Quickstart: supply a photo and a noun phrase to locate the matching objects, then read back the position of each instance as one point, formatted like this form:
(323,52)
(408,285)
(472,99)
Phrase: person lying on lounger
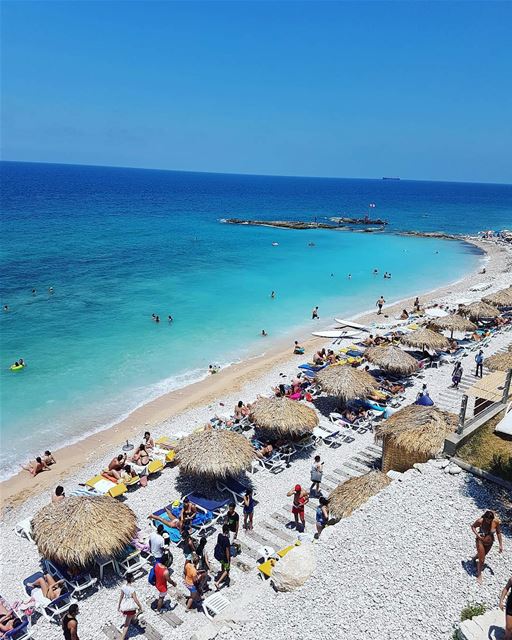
(265,451)
(170,521)
(50,588)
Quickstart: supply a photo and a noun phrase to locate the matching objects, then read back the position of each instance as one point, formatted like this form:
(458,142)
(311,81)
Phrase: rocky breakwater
(283,224)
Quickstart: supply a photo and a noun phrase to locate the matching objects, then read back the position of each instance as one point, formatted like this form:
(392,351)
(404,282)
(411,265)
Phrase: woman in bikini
(50,588)
(485,529)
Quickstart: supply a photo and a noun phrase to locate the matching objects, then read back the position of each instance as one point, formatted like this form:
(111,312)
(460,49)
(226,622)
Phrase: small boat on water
(390,178)
(275,244)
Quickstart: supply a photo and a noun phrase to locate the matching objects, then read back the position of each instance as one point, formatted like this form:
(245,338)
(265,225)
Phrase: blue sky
(416,89)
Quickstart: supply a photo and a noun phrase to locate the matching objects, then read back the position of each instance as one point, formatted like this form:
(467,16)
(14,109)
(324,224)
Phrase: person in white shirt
(156,543)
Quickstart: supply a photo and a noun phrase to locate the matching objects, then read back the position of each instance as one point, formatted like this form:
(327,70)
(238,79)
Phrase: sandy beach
(211,391)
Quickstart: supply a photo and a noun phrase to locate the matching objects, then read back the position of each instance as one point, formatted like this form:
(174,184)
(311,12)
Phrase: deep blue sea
(118,245)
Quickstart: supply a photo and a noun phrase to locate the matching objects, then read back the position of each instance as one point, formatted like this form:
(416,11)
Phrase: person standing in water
(273,295)
(169,318)
(380,303)
(314,314)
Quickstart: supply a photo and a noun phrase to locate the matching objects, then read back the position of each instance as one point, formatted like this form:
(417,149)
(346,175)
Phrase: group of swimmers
(156,318)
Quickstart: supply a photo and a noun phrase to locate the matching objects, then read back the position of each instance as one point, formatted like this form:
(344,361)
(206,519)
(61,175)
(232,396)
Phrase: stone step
(350,465)
(277,532)
(363,462)
(370,455)
(261,540)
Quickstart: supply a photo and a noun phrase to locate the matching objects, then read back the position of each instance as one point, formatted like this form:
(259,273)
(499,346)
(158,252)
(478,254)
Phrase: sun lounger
(213,509)
(174,533)
(326,436)
(307,442)
(155,466)
(215,604)
(265,568)
(52,610)
(100,485)
(23,630)
(130,562)
(76,584)
(234,487)
(274,463)
(23,529)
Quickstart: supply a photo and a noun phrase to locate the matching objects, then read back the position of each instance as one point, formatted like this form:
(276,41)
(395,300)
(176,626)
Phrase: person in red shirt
(162,579)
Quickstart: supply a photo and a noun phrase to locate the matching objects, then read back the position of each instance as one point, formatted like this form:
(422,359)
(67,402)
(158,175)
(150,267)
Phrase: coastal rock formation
(365,220)
(284,224)
(292,571)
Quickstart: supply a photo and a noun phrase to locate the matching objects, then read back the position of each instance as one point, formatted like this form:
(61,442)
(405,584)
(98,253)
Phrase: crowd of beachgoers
(403,562)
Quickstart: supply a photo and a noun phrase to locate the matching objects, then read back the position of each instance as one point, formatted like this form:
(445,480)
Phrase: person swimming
(273,294)
(264,333)
(170,318)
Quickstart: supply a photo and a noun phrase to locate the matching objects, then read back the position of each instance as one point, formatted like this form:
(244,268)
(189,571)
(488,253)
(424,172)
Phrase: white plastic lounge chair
(132,563)
(329,437)
(234,487)
(76,584)
(52,610)
(275,463)
(215,604)
(23,529)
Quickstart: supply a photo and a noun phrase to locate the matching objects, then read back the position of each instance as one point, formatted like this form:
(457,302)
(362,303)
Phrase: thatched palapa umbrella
(479,310)
(214,453)
(453,322)
(426,339)
(392,359)
(499,362)
(76,531)
(284,416)
(502,298)
(346,383)
(413,434)
(350,495)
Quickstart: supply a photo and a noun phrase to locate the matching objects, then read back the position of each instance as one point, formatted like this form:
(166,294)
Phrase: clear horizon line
(258,175)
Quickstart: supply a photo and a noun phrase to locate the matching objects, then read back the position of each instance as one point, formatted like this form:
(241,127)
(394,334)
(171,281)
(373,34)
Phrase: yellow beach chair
(265,568)
(155,466)
(102,485)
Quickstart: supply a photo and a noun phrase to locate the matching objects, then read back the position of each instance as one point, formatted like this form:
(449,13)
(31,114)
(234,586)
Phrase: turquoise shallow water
(118,245)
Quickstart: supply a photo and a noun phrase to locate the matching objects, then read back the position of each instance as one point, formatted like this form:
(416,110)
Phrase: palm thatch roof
(214,453)
(345,382)
(350,495)
(417,430)
(478,310)
(78,530)
(426,339)
(502,298)
(284,416)
(499,362)
(453,322)
(392,358)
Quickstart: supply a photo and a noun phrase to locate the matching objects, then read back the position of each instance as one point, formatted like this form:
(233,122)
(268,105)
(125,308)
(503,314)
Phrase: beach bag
(218,554)
(316,475)
(152,576)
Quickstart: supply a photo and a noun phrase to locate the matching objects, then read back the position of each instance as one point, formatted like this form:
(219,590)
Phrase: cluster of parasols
(77,531)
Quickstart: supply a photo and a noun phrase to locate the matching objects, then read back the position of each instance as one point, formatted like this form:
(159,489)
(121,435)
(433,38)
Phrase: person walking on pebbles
(485,529)
(317,469)
(300,499)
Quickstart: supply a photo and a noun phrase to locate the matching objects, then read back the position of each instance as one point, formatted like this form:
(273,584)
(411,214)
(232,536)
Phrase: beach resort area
(352,486)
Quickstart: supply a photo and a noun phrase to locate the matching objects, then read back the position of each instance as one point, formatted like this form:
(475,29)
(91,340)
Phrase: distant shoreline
(208,391)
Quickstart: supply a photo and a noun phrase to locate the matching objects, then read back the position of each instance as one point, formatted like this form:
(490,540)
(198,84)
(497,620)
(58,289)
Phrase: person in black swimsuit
(506,605)
(485,529)
(69,623)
